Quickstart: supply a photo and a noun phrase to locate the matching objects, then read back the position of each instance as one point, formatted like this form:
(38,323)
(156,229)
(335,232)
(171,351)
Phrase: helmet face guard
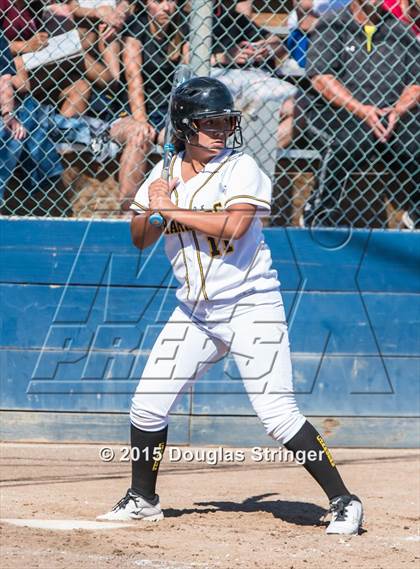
(204,98)
(232,137)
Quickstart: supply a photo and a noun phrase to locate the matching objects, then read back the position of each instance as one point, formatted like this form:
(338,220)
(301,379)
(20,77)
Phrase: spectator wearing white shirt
(318,9)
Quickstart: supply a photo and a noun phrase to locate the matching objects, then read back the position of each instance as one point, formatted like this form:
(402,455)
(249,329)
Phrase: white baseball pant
(253,330)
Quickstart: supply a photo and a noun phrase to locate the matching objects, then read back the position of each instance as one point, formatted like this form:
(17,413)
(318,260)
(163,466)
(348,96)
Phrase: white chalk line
(65,525)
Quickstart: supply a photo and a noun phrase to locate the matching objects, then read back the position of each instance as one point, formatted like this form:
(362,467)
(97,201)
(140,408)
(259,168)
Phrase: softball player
(229,299)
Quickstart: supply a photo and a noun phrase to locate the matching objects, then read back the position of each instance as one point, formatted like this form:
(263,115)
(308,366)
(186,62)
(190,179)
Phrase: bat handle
(156,218)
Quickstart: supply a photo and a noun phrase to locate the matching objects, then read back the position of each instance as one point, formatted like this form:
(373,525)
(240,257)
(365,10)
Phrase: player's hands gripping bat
(182,74)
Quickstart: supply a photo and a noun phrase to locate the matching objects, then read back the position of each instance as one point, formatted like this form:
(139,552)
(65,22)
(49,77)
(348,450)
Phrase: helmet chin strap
(197,145)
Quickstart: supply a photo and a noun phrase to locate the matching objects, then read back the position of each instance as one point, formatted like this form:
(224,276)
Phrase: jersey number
(215,247)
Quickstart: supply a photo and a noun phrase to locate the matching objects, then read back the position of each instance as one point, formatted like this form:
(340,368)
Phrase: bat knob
(156,219)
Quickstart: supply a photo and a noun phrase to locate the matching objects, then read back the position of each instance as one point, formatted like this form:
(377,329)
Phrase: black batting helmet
(202,98)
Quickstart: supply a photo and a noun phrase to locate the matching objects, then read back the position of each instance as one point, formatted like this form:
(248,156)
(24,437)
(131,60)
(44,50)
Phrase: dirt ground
(235,515)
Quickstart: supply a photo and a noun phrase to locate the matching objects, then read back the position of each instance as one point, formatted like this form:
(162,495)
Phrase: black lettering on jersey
(228,247)
(176,227)
(219,248)
(217,206)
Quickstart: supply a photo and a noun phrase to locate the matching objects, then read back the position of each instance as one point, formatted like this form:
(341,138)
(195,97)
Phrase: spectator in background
(112,17)
(154,42)
(244,59)
(23,26)
(7,95)
(301,21)
(363,64)
(98,28)
(316,8)
(408,11)
(25,140)
(245,7)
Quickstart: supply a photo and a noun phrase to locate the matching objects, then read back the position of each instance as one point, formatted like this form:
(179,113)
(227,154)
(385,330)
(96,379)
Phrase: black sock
(145,460)
(322,469)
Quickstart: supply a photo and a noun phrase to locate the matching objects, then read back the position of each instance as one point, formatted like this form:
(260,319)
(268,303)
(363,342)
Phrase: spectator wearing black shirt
(363,64)
(243,58)
(154,42)
(156,39)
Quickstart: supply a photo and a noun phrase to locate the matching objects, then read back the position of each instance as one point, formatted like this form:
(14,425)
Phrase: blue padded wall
(81,308)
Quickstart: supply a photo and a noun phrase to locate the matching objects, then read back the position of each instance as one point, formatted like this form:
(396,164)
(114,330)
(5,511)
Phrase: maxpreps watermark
(211,456)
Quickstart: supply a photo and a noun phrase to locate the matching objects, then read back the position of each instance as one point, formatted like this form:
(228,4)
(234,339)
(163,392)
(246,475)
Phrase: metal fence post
(200,36)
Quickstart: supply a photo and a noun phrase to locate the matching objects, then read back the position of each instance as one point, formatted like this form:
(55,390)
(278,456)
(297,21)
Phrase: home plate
(65,524)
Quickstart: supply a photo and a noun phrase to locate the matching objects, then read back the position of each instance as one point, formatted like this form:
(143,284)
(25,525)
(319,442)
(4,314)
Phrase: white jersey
(208,268)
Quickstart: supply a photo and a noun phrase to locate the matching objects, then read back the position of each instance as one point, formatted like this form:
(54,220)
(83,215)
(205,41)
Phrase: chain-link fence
(329,92)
